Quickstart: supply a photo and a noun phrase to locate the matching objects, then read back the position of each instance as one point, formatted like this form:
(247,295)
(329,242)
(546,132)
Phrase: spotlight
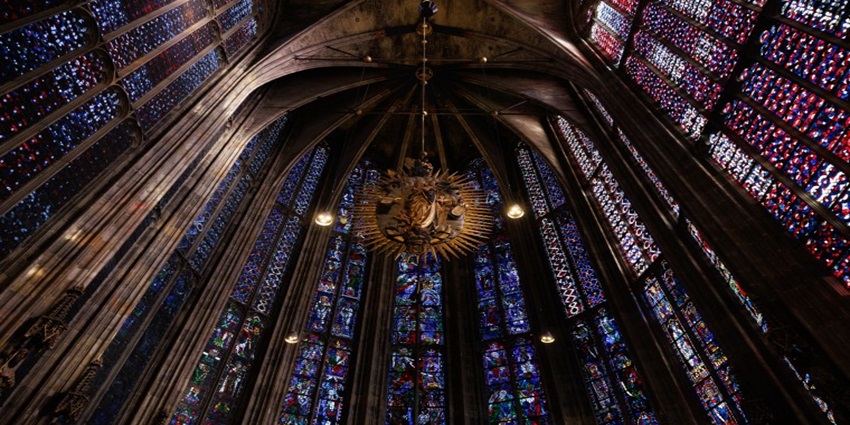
(292,337)
(547,337)
(515,211)
(324,219)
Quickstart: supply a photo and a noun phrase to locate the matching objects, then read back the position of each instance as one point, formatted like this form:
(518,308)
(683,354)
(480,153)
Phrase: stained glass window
(29,47)
(513,383)
(717,390)
(613,385)
(215,215)
(19,109)
(33,156)
(417,382)
(318,382)
(241,38)
(155,109)
(12,11)
(514,390)
(236,13)
(695,346)
(158,68)
(114,14)
(31,212)
(232,346)
(142,40)
(785,130)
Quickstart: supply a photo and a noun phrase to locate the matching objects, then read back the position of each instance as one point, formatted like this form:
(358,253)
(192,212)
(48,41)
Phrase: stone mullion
(102,326)
(368,375)
(655,366)
(167,385)
(566,396)
(209,183)
(272,380)
(292,308)
(109,220)
(466,401)
(124,204)
(748,361)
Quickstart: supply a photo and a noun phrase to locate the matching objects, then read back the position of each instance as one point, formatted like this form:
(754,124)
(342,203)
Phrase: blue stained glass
(133,322)
(290,185)
(220,375)
(345,212)
(256,259)
(34,45)
(30,103)
(717,56)
(610,45)
(355,271)
(623,369)
(599,107)
(266,140)
(582,268)
(634,241)
(417,382)
(123,385)
(140,41)
(733,283)
(213,233)
(311,180)
(513,382)
(298,401)
(114,14)
(232,16)
(830,16)
(674,206)
(209,209)
(154,109)
(278,266)
(583,149)
(560,268)
(658,296)
(614,20)
(689,118)
(554,193)
(532,183)
(158,68)
(596,377)
(26,161)
(232,382)
(220,342)
(12,11)
(29,214)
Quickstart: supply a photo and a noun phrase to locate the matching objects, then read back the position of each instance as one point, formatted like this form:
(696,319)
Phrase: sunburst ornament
(415,211)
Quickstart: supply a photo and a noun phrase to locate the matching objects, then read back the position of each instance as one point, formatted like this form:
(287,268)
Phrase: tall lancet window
(214,391)
(511,369)
(317,386)
(417,381)
(613,385)
(171,286)
(690,338)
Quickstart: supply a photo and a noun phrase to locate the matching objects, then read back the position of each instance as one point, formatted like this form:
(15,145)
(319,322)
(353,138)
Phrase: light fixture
(416,210)
(292,337)
(515,211)
(324,219)
(547,338)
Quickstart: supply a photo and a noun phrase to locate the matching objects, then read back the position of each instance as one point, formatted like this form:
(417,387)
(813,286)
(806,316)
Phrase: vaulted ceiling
(347,69)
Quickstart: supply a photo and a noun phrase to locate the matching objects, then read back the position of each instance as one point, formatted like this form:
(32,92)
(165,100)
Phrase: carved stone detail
(41,335)
(74,402)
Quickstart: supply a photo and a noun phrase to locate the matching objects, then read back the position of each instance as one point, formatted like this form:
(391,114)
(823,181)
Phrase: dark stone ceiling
(474,106)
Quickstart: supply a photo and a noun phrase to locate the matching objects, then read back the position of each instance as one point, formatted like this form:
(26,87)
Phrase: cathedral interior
(659,232)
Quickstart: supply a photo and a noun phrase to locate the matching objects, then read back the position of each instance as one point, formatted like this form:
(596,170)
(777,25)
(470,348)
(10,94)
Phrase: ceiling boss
(414,210)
